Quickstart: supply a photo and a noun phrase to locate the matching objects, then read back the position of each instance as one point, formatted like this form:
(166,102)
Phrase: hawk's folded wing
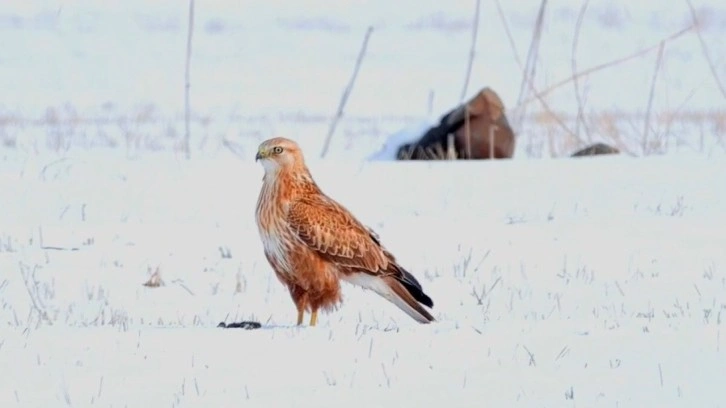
(330,230)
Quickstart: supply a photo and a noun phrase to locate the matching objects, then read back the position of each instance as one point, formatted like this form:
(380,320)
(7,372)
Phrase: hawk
(312,242)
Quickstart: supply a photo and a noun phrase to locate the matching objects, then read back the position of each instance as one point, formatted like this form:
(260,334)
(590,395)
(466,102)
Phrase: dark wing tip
(414,288)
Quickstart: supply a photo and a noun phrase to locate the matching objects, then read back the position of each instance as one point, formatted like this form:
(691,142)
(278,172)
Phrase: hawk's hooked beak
(261,154)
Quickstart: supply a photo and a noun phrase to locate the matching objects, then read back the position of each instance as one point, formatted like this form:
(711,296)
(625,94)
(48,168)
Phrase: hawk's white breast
(275,249)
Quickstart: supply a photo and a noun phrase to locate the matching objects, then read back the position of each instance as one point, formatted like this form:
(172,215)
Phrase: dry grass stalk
(646,122)
(528,72)
(575,82)
(433,153)
(239,287)
(560,120)
(512,45)
(705,49)
(187,83)
(602,66)
(529,69)
(346,92)
(467,129)
(472,51)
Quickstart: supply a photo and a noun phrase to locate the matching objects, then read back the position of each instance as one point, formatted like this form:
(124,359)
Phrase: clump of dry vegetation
(155,279)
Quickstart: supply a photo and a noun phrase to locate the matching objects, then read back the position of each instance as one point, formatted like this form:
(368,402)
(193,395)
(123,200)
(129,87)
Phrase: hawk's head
(277,153)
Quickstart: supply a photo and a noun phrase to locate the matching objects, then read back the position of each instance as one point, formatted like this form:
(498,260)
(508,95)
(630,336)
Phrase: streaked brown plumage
(312,242)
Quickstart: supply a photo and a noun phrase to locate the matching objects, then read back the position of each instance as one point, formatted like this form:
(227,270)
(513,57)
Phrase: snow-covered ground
(595,282)
(568,282)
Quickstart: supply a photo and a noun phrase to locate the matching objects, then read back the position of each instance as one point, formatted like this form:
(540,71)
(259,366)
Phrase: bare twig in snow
(606,65)
(234,147)
(512,45)
(479,296)
(529,74)
(430,103)
(650,97)
(532,362)
(187,85)
(549,110)
(580,105)
(530,64)
(705,49)
(467,77)
(183,286)
(31,285)
(385,374)
(346,92)
(472,52)
(239,287)
(100,387)
(467,130)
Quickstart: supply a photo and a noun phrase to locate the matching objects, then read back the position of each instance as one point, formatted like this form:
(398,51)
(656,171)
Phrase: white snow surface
(565,282)
(404,136)
(589,282)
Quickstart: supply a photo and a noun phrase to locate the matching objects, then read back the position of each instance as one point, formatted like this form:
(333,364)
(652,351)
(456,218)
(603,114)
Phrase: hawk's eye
(277,150)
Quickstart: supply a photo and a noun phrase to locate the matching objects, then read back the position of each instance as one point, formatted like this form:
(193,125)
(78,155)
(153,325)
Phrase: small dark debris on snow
(246,324)
(596,149)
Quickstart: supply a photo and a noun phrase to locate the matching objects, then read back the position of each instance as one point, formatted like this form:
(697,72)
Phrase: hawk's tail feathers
(412,285)
(395,291)
(402,296)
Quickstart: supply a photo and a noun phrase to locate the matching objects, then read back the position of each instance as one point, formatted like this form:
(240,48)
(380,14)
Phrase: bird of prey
(312,242)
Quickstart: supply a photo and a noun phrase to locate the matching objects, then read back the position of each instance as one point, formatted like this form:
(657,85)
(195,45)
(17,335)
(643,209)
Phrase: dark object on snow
(596,149)
(485,134)
(246,324)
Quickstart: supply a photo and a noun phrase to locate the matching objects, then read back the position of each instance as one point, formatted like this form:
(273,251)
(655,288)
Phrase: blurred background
(645,76)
